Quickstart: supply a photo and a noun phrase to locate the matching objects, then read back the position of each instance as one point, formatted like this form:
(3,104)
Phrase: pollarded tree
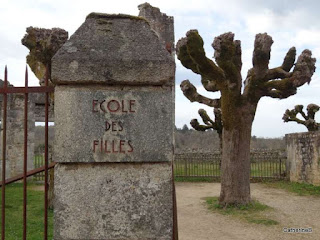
(309,121)
(238,106)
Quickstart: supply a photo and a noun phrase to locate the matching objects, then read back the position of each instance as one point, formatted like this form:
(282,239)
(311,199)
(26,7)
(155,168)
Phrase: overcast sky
(289,22)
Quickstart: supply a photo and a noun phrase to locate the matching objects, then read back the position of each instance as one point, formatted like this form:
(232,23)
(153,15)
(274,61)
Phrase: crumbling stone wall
(303,157)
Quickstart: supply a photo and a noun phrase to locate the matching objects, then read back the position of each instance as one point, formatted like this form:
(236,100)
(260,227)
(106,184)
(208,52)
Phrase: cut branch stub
(311,110)
(261,54)
(298,108)
(228,57)
(192,55)
(197,126)
(205,117)
(289,59)
(184,57)
(303,69)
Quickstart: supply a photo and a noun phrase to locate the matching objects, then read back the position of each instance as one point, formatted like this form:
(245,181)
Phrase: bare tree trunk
(235,169)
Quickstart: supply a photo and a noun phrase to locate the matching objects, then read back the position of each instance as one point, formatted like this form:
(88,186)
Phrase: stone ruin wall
(15,131)
(303,157)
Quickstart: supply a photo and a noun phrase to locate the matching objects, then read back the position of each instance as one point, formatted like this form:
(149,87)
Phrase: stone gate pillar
(114,122)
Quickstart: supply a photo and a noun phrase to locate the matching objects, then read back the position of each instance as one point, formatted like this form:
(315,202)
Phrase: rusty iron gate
(26,90)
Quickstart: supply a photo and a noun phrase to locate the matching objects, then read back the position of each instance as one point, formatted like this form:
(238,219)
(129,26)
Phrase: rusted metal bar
(29,173)
(43,89)
(25,157)
(4,146)
(46,159)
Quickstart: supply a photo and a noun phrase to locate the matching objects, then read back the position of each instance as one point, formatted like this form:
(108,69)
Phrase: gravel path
(196,222)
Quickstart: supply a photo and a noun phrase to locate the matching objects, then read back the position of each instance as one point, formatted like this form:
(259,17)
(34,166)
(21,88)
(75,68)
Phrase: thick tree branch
(197,126)
(311,110)
(205,117)
(190,91)
(276,73)
(289,59)
(291,116)
(184,57)
(258,74)
(301,74)
(299,109)
(303,69)
(210,86)
(192,55)
(228,57)
(261,54)
(274,93)
(282,71)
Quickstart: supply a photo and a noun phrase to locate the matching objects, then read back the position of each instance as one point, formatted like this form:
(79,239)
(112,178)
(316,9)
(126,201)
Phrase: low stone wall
(256,155)
(303,157)
(198,156)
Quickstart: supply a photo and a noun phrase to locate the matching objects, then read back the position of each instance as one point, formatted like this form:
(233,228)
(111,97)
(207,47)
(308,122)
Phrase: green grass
(35,213)
(252,213)
(302,189)
(197,169)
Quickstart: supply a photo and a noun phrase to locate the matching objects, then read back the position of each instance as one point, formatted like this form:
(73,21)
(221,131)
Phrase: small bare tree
(209,123)
(309,121)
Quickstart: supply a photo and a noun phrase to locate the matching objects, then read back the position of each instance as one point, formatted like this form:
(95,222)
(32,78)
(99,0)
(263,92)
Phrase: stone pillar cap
(114,49)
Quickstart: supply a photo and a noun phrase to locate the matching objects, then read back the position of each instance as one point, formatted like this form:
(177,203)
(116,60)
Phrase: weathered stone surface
(114,49)
(15,135)
(114,120)
(43,44)
(160,23)
(303,157)
(113,201)
(142,125)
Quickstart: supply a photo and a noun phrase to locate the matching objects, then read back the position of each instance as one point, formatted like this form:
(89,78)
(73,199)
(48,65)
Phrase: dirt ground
(196,222)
